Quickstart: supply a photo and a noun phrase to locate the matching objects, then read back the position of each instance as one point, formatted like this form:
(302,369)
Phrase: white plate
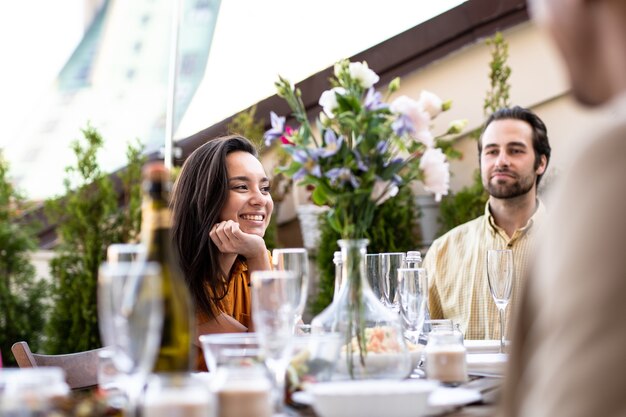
(441,400)
(484,346)
(371,398)
(444,400)
(489,364)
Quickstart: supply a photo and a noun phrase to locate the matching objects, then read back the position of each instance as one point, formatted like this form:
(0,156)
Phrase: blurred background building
(116,79)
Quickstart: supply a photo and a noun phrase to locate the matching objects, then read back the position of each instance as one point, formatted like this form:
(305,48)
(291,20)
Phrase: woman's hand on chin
(229,238)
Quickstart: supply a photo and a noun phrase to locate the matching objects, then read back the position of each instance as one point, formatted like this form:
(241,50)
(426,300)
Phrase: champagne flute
(389,264)
(374,275)
(129,302)
(297,261)
(274,301)
(500,276)
(413,292)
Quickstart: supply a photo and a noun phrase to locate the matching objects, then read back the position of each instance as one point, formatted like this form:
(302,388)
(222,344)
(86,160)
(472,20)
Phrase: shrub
(89,220)
(22,307)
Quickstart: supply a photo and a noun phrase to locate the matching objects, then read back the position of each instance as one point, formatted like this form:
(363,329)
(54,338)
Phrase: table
(489,387)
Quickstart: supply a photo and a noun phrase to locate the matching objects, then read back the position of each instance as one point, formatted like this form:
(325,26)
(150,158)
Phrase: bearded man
(513,154)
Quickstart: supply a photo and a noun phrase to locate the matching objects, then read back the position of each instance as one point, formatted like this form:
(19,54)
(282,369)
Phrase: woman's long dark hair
(197,200)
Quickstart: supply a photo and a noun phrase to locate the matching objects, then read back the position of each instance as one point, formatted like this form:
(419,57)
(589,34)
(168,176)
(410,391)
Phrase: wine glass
(500,276)
(130,305)
(274,301)
(389,264)
(297,261)
(413,293)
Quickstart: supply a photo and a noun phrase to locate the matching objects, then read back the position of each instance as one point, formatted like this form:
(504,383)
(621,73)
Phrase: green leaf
(319,196)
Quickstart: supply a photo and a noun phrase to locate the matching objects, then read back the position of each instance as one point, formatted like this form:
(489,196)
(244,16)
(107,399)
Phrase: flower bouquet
(358,154)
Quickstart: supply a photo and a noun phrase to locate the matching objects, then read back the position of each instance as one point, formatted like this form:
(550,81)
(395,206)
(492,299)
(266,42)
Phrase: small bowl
(218,348)
(371,398)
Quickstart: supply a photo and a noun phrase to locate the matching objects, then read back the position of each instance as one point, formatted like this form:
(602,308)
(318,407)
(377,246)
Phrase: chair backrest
(81,369)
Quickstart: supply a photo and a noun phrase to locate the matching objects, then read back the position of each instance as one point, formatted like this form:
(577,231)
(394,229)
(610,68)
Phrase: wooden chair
(81,369)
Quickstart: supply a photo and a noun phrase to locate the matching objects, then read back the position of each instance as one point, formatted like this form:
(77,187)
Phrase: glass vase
(373,346)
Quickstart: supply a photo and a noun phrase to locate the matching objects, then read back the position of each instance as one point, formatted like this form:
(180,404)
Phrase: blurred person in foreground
(513,152)
(569,343)
(221,206)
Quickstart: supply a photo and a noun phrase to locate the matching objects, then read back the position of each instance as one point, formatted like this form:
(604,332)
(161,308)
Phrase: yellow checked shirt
(456,264)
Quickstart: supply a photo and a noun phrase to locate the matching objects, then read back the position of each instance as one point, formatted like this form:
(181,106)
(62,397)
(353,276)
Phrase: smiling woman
(221,209)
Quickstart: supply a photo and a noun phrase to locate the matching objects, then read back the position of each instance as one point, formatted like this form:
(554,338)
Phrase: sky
(36,39)
(38,36)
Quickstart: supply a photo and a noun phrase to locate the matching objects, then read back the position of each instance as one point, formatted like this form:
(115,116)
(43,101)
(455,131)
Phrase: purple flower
(332,142)
(382,146)
(309,163)
(344,176)
(403,125)
(393,161)
(361,165)
(373,100)
(277,130)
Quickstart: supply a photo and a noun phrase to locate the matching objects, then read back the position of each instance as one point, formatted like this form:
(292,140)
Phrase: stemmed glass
(297,261)
(413,293)
(274,301)
(373,275)
(389,264)
(500,276)
(131,314)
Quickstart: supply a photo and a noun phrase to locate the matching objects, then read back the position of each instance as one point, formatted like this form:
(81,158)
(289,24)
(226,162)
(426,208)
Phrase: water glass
(242,388)
(30,392)
(273,307)
(130,305)
(177,394)
(216,347)
(297,261)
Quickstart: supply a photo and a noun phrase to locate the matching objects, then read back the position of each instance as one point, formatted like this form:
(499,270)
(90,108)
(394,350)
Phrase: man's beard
(521,186)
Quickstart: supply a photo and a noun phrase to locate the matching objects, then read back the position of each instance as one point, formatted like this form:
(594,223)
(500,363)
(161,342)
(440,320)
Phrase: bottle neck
(353,256)
(156,219)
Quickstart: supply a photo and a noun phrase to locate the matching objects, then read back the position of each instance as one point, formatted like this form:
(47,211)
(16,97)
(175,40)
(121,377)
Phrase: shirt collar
(538,215)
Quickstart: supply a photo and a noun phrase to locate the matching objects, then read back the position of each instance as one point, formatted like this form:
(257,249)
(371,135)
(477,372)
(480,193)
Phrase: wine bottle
(176,352)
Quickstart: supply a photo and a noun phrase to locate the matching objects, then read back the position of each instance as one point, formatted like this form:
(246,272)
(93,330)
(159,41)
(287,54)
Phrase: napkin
(490,364)
(484,346)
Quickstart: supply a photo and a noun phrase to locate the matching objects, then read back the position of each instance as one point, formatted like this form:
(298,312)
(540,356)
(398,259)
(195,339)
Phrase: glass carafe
(373,345)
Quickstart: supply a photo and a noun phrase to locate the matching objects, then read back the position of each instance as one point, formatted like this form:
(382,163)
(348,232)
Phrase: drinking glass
(500,276)
(274,301)
(129,302)
(412,290)
(297,261)
(177,394)
(389,264)
(373,274)
(119,261)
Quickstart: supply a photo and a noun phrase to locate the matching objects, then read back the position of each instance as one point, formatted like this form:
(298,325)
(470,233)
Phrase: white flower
(430,103)
(436,172)
(412,109)
(383,191)
(457,126)
(328,100)
(426,137)
(361,72)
